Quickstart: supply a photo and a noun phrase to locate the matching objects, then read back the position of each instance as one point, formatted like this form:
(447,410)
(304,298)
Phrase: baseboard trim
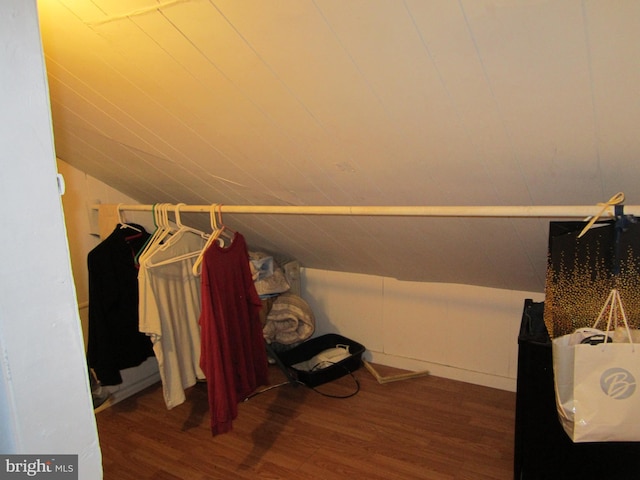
(134,380)
(444,371)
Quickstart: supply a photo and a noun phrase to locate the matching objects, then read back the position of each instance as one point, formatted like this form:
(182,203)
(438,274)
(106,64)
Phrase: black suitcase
(307,350)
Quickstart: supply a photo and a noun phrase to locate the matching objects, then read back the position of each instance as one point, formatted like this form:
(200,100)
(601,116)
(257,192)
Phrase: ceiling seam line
(249,99)
(594,108)
(505,130)
(283,83)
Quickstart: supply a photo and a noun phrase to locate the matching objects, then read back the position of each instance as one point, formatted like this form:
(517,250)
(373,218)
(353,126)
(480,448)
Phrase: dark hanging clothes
(115,343)
(233,354)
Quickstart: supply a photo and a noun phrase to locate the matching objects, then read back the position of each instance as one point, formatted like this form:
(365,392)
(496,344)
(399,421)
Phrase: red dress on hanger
(233,353)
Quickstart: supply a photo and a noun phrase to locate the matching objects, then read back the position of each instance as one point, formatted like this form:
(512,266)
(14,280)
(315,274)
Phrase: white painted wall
(45,402)
(461,332)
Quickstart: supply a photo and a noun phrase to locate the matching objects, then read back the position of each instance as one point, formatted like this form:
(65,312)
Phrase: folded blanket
(290,320)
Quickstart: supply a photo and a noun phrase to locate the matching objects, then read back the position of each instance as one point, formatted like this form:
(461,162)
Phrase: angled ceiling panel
(326,102)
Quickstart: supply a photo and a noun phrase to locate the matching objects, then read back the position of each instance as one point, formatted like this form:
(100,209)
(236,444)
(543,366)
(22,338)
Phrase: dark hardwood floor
(421,428)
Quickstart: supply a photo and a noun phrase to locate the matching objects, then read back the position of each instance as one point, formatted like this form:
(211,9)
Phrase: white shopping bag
(596,385)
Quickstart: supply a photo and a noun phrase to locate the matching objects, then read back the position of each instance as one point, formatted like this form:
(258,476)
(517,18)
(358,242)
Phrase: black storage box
(312,347)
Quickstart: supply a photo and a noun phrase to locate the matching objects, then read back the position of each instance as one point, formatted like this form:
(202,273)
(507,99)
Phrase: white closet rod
(577,211)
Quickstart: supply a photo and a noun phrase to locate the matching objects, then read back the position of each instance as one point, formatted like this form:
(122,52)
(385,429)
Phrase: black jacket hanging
(115,342)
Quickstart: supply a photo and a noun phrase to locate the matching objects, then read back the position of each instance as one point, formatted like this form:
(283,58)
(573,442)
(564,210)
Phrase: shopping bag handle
(613,309)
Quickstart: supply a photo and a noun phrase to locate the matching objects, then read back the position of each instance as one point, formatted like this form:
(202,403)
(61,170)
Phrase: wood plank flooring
(422,428)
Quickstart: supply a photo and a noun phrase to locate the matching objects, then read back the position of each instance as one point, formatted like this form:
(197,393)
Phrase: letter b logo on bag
(618,383)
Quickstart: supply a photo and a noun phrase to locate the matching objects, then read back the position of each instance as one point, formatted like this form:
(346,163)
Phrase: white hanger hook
(118,211)
(167,206)
(220,222)
(212,216)
(161,210)
(177,214)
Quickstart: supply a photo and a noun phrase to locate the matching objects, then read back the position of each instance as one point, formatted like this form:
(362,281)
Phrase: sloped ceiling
(356,102)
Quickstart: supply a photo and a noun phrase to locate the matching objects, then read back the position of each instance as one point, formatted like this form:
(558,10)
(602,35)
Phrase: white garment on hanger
(169,310)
